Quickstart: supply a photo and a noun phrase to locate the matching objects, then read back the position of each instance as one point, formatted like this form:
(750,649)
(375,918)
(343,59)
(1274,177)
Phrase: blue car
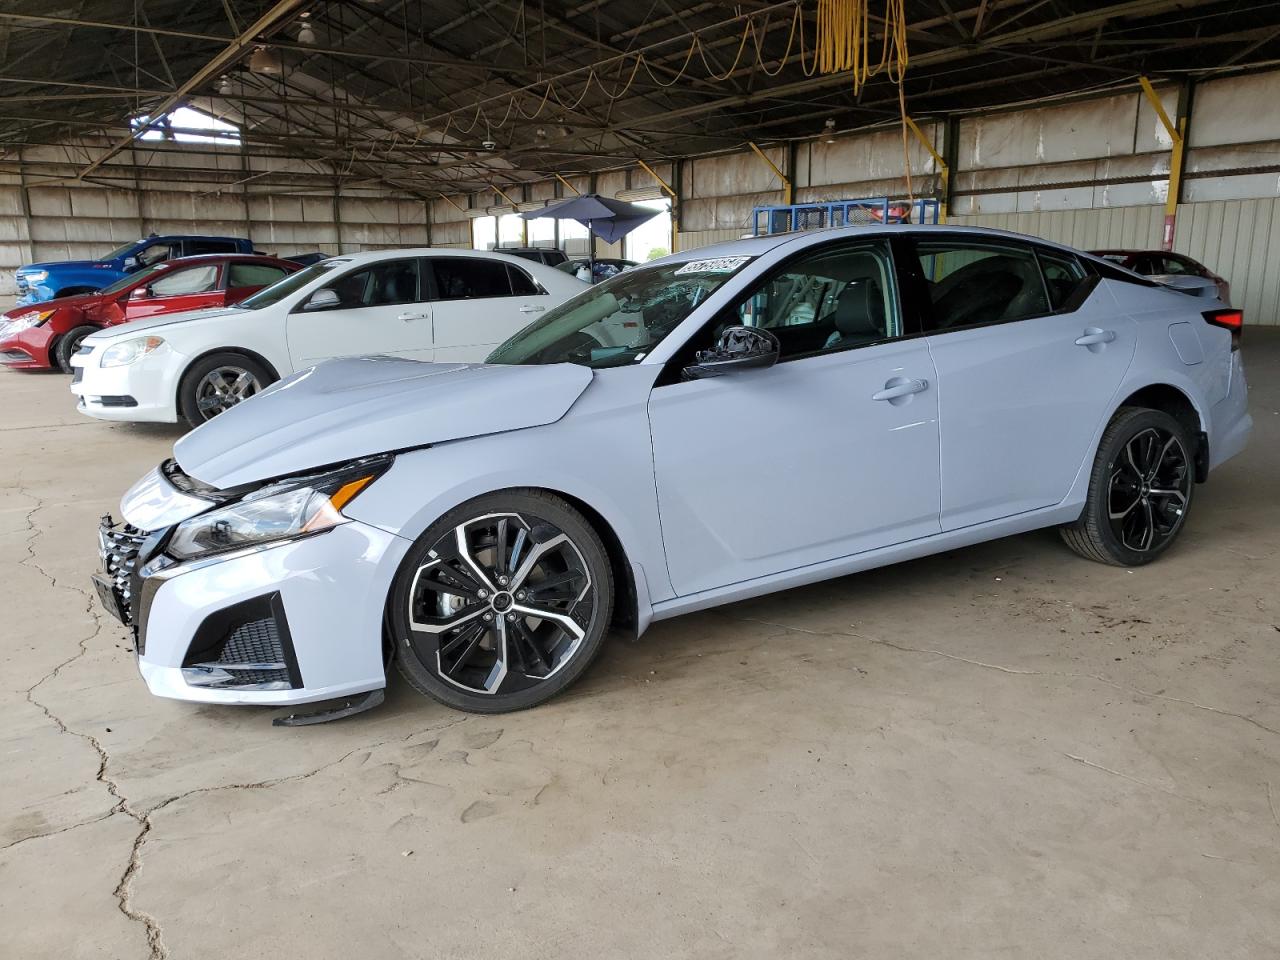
(38,282)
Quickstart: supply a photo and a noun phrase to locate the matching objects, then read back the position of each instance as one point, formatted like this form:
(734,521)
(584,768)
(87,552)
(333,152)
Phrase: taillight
(1232,320)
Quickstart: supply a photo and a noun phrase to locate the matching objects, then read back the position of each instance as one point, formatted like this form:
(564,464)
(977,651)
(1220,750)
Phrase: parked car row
(624,453)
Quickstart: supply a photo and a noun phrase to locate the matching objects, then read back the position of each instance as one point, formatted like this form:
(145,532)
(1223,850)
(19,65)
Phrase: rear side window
(468,278)
(198,247)
(253,275)
(970,284)
(173,283)
(1064,277)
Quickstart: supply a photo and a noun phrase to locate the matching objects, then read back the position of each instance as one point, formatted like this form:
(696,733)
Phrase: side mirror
(737,348)
(141,293)
(131,263)
(322,300)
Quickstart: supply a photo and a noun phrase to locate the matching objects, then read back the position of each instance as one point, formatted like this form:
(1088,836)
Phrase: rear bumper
(1232,424)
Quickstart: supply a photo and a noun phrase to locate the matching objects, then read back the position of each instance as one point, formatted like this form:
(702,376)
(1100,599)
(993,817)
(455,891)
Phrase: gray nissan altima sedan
(719,424)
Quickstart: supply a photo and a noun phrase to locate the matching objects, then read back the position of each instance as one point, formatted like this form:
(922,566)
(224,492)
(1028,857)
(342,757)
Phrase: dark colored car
(1164,263)
(44,335)
(602,268)
(41,282)
(548,255)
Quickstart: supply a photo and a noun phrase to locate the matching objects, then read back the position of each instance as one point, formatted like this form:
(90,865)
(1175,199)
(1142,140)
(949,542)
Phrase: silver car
(716,425)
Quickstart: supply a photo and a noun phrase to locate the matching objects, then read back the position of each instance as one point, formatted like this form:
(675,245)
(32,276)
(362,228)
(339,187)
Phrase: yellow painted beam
(1178,134)
(653,173)
(944,172)
(575,190)
(506,196)
(675,214)
(452,203)
(786,184)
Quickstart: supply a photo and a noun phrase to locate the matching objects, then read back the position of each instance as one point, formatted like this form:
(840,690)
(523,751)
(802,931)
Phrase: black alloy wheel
(502,603)
(1140,490)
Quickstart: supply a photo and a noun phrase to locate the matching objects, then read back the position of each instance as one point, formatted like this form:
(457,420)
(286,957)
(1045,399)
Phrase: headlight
(36,276)
(283,510)
(121,354)
(26,321)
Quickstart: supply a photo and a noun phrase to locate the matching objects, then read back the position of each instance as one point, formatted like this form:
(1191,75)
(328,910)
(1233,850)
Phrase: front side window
(622,319)
(383,284)
(971,284)
(253,274)
(154,253)
(470,278)
(829,300)
(174,283)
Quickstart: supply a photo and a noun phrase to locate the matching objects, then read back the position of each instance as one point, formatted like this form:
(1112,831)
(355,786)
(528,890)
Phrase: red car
(44,335)
(1163,263)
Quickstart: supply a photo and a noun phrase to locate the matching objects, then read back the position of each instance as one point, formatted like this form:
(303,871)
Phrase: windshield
(620,320)
(121,251)
(294,281)
(133,279)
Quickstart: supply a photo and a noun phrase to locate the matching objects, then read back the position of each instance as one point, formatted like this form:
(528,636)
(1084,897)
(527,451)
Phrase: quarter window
(1063,276)
(523,285)
(253,274)
(969,284)
(175,283)
(199,247)
(468,278)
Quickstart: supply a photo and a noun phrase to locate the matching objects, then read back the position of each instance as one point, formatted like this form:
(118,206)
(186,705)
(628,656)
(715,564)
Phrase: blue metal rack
(842,213)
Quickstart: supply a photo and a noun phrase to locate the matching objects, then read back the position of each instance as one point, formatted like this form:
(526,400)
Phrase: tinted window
(252,274)
(173,283)
(1175,265)
(197,247)
(830,300)
(154,253)
(380,285)
(1063,275)
(970,284)
(522,285)
(466,278)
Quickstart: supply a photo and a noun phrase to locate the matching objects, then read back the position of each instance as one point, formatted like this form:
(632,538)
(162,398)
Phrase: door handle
(1094,335)
(406,317)
(530,308)
(900,387)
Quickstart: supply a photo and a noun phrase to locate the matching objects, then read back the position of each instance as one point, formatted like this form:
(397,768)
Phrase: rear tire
(218,382)
(1140,490)
(463,608)
(69,344)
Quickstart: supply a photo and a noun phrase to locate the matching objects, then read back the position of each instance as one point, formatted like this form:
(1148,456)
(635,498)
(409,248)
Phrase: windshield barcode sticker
(714,265)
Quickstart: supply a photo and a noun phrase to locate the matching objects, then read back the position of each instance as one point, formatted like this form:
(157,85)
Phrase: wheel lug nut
(482,594)
(488,616)
(520,595)
(511,618)
(502,580)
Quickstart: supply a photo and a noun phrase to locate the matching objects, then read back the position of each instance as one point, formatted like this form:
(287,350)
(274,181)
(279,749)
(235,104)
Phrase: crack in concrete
(53,833)
(1016,671)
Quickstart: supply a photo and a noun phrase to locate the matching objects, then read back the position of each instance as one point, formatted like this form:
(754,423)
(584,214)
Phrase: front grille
(119,546)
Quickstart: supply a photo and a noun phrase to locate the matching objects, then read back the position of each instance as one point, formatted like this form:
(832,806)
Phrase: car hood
(64,265)
(57,303)
(357,407)
(159,320)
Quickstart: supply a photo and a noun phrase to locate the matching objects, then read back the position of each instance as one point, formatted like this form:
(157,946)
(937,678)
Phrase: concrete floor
(1003,751)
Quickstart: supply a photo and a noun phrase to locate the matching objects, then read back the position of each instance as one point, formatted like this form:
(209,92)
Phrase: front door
(379,311)
(830,452)
(478,303)
(182,288)
(1029,355)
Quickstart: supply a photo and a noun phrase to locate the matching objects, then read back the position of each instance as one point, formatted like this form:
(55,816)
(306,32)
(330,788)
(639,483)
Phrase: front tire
(69,344)
(218,382)
(502,603)
(1139,491)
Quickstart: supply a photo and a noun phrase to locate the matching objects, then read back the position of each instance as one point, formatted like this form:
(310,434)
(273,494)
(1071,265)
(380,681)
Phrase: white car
(438,305)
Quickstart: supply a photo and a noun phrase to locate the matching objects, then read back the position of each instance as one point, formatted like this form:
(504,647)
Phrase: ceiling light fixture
(829,130)
(266,60)
(306,32)
(224,84)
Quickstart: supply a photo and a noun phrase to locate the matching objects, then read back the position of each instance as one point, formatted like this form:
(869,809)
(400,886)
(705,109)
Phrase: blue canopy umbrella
(608,219)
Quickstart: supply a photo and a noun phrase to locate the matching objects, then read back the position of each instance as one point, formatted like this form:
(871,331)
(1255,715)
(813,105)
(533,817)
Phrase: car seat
(859,315)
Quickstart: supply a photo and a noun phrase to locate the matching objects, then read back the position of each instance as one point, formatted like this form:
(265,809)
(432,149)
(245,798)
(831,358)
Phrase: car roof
(374,256)
(213,257)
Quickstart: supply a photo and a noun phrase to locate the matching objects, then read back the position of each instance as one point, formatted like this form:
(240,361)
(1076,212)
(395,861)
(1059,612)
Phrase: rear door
(1029,355)
(245,278)
(478,303)
(182,288)
(380,310)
